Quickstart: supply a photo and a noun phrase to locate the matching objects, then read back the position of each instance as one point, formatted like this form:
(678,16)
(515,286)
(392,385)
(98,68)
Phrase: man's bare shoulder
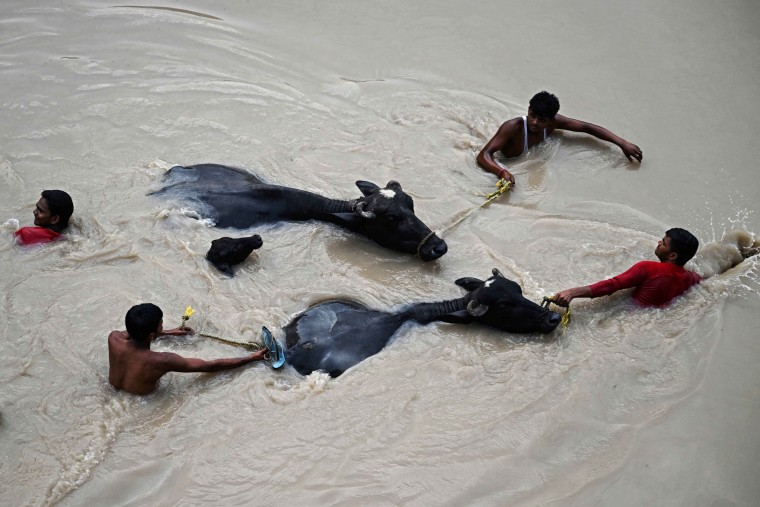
(507,132)
(117,337)
(512,123)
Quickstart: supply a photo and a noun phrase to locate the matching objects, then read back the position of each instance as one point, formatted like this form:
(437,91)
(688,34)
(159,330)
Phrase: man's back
(131,368)
(136,369)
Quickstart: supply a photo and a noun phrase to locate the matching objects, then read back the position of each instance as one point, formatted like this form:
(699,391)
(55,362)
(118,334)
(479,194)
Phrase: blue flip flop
(274,347)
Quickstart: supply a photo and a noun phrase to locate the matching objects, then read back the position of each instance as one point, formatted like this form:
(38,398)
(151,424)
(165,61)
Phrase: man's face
(536,123)
(42,215)
(663,250)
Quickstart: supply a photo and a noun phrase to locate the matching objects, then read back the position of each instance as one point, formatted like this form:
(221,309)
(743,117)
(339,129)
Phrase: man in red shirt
(51,217)
(656,283)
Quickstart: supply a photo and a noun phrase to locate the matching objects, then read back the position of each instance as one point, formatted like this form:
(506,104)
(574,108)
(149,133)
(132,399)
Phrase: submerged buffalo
(234,198)
(336,335)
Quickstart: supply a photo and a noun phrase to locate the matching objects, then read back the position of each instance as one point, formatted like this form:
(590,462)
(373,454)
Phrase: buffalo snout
(433,248)
(550,322)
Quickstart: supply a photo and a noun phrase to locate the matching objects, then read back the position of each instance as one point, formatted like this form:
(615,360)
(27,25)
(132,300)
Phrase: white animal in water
(719,256)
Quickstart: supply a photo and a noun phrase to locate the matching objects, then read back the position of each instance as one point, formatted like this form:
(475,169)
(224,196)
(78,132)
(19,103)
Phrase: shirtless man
(656,283)
(51,217)
(515,136)
(134,368)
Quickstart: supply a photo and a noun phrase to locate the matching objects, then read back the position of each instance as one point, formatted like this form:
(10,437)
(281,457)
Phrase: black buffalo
(336,335)
(234,198)
(226,252)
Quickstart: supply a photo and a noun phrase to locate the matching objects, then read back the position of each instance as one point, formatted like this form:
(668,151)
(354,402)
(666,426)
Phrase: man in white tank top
(515,136)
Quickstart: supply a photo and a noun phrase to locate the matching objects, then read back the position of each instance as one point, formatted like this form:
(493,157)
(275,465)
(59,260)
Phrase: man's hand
(506,175)
(631,151)
(563,298)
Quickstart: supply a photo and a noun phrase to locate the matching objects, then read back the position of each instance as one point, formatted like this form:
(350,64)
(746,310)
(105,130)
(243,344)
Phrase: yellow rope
(422,243)
(565,321)
(501,186)
(250,345)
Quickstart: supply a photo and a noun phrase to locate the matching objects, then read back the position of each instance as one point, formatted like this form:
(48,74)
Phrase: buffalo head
(226,252)
(388,218)
(498,302)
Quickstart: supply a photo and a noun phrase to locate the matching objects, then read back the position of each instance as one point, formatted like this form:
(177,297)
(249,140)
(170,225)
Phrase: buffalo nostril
(433,250)
(554,319)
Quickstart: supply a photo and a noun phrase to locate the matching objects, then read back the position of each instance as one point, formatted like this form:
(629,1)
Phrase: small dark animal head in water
(389,220)
(226,252)
(498,302)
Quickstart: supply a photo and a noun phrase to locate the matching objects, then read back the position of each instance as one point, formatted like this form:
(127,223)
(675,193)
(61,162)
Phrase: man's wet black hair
(59,203)
(544,105)
(683,243)
(142,320)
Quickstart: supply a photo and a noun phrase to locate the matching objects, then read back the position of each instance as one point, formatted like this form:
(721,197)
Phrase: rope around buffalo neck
(424,240)
(565,321)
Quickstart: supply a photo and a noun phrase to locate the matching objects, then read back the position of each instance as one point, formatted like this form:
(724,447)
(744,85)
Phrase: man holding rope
(515,136)
(655,283)
(136,369)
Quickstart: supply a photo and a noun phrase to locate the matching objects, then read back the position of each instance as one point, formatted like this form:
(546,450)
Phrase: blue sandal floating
(274,348)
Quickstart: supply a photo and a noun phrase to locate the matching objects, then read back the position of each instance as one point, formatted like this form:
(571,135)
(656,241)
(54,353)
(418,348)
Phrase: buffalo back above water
(233,198)
(335,335)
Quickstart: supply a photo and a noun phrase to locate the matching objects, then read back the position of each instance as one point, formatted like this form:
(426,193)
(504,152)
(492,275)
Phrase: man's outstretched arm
(498,141)
(630,150)
(175,362)
(634,276)
(563,298)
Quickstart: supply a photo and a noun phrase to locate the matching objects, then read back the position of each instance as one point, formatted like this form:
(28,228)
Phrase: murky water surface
(101,99)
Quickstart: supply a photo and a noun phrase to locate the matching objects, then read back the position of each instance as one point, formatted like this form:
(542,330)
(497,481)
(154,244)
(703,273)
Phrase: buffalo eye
(393,217)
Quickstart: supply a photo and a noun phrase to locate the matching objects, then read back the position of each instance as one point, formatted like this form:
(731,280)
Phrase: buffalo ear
(460,317)
(367,188)
(360,209)
(469,284)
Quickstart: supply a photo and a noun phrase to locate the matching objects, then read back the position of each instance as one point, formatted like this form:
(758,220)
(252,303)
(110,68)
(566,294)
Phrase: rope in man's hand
(502,186)
(274,350)
(565,321)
